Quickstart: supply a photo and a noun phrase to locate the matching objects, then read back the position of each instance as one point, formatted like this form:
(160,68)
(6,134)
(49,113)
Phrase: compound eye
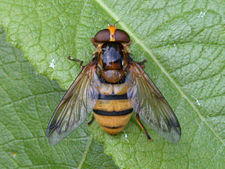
(122,36)
(102,36)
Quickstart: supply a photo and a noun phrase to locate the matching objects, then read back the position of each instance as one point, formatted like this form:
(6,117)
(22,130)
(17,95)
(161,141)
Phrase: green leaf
(27,101)
(184,43)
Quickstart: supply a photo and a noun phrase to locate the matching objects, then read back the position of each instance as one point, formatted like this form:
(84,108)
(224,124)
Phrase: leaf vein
(144,47)
(86,152)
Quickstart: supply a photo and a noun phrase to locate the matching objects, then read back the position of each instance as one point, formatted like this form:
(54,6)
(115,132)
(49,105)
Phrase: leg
(143,128)
(94,43)
(92,119)
(128,44)
(76,60)
(142,63)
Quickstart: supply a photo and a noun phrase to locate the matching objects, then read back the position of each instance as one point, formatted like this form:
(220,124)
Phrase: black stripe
(112,97)
(114,127)
(113,113)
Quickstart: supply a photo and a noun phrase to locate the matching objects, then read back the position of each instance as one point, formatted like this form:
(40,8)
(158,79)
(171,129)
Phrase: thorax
(112,62)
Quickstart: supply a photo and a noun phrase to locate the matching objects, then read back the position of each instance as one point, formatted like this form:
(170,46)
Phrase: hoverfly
(113,85)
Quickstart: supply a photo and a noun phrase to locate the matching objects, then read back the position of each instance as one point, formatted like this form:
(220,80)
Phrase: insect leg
(92,119)
(142,63)
(94,43)
(76,60)
(128,44)
(143,128)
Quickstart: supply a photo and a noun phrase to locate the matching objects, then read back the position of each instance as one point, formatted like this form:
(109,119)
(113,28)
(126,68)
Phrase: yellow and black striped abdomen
(113,110)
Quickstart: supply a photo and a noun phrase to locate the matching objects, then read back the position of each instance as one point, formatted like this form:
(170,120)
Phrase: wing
(75,106)
(152,107)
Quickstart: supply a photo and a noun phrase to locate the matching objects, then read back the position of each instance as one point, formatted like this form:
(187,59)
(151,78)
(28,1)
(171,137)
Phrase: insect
(113,86)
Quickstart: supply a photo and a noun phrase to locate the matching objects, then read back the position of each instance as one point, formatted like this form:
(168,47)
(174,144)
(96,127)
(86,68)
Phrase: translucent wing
(152,107)
(75,106)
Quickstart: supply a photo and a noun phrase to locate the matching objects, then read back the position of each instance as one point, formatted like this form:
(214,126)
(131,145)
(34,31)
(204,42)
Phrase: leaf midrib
(142,45)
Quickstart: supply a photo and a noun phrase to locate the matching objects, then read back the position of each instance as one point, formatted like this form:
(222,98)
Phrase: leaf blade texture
(183,42)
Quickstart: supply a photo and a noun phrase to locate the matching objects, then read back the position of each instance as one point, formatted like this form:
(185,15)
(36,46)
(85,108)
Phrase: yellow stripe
(112,121)
(105,89)
(118,89)
(112,105)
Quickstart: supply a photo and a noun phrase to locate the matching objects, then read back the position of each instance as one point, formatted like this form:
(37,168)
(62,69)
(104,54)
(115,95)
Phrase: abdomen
(113,110)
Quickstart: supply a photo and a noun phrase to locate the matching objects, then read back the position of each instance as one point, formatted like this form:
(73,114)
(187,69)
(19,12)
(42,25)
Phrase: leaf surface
(184,43)
(27,101)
